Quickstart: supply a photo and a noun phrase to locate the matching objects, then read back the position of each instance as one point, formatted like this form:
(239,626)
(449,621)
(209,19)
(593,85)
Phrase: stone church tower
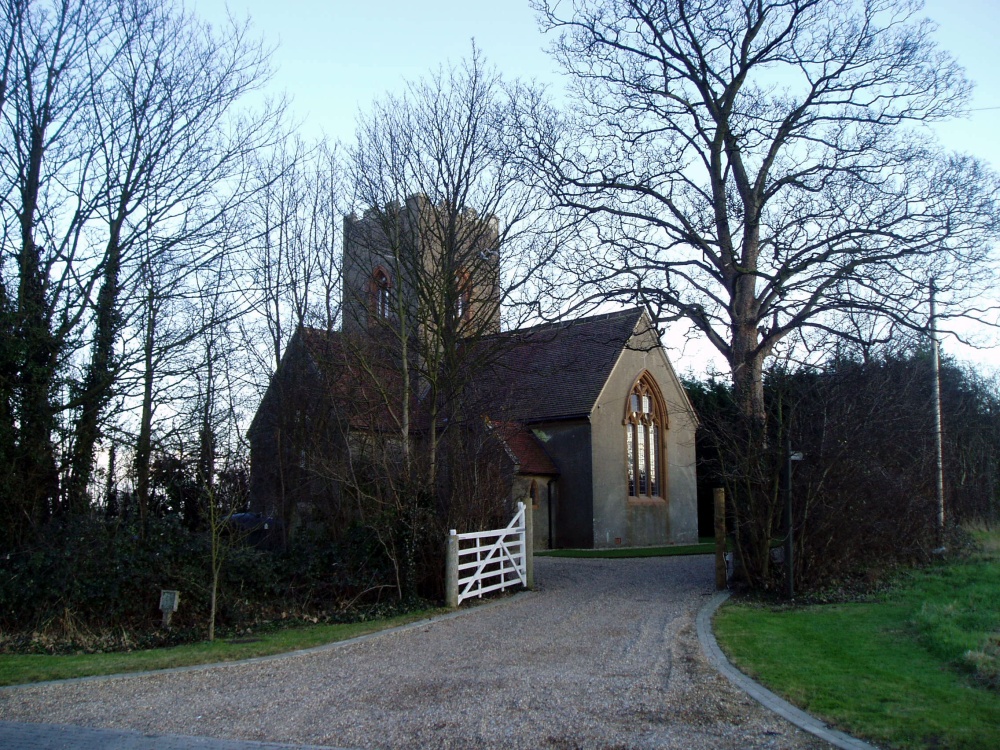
(422,265)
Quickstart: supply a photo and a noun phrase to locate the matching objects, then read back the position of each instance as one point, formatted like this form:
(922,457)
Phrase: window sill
(646,500)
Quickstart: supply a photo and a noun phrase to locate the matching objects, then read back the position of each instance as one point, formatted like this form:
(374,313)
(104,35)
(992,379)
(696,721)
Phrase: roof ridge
(569,323)
(562,323)
(316,329)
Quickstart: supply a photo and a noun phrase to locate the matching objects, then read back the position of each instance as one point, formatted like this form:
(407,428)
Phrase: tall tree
(755,166)
(451,234)
(45,160)
(451,211)
(171,161)
(122,159)
(292,263)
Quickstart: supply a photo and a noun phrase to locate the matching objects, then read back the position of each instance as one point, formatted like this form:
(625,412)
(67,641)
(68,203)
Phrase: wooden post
(529,545)
(719,495)
(451,571)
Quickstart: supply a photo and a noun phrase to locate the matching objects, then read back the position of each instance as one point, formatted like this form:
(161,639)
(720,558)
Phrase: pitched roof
(324,353)
(325,346)
(546,372)
(526,449)
(556,370)
(360,373)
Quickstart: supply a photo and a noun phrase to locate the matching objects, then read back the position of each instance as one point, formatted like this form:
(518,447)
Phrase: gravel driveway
(603,655)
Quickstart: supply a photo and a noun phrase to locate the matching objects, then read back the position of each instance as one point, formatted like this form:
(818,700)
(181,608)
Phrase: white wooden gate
(495,560)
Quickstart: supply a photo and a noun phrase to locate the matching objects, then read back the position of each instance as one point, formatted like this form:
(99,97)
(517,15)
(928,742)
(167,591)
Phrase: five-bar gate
(495,560)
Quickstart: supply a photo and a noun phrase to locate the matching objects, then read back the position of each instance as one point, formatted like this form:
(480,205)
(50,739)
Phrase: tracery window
(645,417)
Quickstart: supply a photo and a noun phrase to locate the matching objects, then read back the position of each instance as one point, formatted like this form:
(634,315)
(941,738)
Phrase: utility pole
(721,574)
(938,442)
(789,543)
(790,457)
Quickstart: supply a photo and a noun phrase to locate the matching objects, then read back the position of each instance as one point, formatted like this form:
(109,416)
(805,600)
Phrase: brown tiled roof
(526,449)
(556,370)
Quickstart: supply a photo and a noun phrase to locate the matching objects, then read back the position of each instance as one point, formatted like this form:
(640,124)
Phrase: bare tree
(290,277)
(451,234)
(121,152)
(291,263)
(44,168)
(452,216)
(170,163)
(161,331)
(755,167)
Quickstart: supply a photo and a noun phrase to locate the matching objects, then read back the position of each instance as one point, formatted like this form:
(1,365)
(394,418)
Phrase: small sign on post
(168,604)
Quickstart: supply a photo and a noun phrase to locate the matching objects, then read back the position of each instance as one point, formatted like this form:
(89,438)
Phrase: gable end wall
(674,520)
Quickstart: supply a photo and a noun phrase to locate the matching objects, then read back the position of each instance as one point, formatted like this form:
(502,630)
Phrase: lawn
(912,670)
(22,668)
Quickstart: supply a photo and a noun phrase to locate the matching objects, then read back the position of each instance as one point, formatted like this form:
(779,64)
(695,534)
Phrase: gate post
(451,571)
(529,546)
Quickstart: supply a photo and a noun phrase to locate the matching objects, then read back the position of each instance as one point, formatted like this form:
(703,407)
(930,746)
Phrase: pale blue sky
(334,56)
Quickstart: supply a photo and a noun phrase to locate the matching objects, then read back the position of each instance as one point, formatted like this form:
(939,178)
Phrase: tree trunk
(12,511)
(746,356)
(748,381)
(97,386)
(206,451)
(143,448)
(213,594)
(111,507)
(753,491)
(36,459)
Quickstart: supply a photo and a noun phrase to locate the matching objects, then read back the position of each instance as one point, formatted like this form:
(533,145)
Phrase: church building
(597,435)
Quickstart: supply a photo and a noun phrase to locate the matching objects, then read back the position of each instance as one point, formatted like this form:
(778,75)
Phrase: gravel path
(604,655)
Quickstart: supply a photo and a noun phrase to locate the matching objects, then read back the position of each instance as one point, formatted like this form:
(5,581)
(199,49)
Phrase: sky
(333,57)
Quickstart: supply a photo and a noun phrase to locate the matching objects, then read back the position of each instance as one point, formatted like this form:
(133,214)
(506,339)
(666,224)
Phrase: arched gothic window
(645,418)
(380,286)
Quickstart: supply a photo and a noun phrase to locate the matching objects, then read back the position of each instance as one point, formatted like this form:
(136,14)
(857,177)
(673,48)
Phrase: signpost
(169,600)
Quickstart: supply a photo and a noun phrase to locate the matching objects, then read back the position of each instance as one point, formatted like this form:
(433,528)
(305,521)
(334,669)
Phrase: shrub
(985,662)
(90,583)
(864,498)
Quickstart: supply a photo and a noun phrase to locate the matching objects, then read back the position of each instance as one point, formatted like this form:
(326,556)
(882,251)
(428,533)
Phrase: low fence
(483,561)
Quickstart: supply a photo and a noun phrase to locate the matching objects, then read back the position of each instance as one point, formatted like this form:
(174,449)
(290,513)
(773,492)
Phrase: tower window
(463,307)
(381,300)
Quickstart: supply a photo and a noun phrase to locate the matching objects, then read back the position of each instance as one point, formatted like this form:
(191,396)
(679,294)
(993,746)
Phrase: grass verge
(16,669)
(705,546)
(902,672)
